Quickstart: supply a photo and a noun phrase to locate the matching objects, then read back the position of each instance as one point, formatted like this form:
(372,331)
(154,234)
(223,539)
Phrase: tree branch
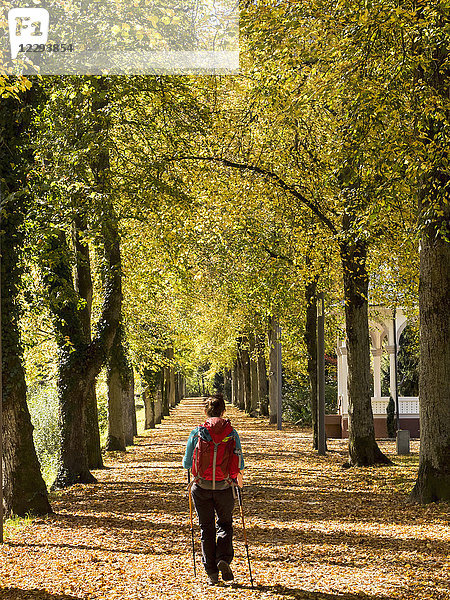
(272,176)
(278,256)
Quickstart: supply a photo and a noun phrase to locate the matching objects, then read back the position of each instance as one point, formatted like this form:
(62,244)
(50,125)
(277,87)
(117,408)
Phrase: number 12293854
(46,48)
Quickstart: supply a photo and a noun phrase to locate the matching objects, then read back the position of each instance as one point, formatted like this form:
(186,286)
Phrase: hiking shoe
(225,570)
(213,579)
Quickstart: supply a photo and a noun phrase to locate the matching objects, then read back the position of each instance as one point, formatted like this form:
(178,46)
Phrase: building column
(376,353)
(339,374)
(391,351)
(342,376)
(345,380)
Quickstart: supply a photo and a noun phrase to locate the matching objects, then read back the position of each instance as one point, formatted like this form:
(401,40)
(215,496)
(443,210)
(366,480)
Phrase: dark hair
(214,406)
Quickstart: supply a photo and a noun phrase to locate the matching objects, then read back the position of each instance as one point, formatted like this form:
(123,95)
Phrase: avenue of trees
(164,225)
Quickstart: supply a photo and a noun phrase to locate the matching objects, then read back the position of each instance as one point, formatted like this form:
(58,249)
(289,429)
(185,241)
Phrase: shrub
(296,403)
(102,406)
(43,406)
(390,418)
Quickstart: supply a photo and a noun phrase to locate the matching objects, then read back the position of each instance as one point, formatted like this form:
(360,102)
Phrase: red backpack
(214,455)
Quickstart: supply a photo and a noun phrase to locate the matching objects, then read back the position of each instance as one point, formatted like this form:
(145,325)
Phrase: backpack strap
(216,446)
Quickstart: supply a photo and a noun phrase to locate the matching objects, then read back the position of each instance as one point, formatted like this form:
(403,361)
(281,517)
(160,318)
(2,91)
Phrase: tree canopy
(168,223)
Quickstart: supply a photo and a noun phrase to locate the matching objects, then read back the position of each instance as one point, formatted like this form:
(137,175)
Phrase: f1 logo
(27,26)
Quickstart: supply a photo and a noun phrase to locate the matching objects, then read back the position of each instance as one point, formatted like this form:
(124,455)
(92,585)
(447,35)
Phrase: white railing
(407,405)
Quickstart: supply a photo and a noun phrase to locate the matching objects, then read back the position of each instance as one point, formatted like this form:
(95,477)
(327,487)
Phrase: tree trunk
(273,381)
(116,436)
(158,404)
(127,380)
(241,382)
(245,358)
(177,388)
(24,488)
(153,397)
(433,480)
(93,446)
(310,338)
(120,390)
(84,287)
(149,406)
(254,388)
(129,409)
(133,410)
(227,385)
(73,389)
(165,412)
(235,384)
(263,392)
(170,378)
(76,372)
(79,363)
(363,449)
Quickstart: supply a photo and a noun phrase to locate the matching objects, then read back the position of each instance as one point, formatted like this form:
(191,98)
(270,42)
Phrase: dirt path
(315,530)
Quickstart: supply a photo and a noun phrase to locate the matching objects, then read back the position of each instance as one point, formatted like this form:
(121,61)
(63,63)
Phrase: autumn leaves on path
(314,529)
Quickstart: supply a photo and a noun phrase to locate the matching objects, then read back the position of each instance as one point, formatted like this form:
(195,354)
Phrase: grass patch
(14,524)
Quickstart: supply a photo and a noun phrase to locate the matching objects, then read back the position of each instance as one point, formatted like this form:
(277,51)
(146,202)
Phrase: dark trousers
(217,540)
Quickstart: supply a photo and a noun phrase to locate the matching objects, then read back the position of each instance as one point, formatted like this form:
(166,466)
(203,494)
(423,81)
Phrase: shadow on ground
(12,593)
(288,592)
(303,514)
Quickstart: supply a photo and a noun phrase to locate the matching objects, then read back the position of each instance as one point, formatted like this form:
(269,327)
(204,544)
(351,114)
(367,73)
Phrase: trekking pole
(245,534)
(192,522)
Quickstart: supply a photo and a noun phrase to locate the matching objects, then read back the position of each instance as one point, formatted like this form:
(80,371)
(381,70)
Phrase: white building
(381,328)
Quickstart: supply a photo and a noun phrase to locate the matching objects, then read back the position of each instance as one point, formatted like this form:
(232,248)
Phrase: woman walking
(214,454)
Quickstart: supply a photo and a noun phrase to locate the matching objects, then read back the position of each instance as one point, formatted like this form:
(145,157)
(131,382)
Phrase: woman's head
(214,406)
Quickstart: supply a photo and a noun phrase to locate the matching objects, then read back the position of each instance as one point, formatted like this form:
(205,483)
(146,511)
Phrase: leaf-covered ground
(316,531)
